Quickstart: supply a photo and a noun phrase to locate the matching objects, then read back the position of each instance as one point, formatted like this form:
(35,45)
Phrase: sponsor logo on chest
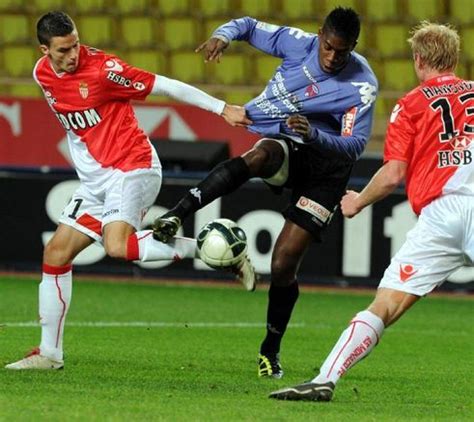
(461,155)
(79,119)
(313,89)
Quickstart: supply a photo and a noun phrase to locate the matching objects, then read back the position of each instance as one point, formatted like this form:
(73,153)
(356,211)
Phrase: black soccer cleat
(166,227)
(309,391)
(269,366)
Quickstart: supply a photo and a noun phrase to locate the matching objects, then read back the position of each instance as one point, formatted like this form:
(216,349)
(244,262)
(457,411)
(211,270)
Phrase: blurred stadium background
(160,36)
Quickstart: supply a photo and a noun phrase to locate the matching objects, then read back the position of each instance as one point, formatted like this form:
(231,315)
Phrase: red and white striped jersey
(432,130)
(93,106)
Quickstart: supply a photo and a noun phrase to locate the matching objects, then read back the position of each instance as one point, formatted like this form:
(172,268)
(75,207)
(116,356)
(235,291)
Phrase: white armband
(186,93)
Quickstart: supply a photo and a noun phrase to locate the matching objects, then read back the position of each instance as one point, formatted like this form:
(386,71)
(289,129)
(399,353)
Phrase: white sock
(55,292)
(141,246)
(355,343)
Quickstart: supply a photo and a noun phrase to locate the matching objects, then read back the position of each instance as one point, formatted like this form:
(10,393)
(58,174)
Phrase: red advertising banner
(30,134)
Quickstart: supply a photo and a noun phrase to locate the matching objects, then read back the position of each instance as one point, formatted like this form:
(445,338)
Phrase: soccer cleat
(269,366)
(166,227)
(246,274)
(36,361)
(309,391)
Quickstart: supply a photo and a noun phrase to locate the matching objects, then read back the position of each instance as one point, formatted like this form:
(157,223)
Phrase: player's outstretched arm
(384,182)
(235,116)
(180,91)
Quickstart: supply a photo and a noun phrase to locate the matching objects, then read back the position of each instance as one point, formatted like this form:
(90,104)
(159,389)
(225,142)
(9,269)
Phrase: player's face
(63,52)
(334,51)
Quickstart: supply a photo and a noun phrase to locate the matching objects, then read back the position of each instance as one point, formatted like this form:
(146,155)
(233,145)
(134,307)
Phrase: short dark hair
(53,24)
(343,22)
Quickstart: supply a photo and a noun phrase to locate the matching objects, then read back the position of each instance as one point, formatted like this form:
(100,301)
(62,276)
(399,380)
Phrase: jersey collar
(311,64)
(443,78)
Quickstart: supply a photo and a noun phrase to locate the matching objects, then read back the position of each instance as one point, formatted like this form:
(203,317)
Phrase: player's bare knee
(57,254)
(283,271)
(265,158)
(115,250)
(390,305)
(256,159)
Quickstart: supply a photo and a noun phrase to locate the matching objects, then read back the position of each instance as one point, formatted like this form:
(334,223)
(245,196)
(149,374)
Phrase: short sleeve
(122,81)
(400,135)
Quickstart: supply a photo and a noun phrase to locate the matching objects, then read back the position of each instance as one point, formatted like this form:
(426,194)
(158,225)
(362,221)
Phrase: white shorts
(441,242)
(127,197)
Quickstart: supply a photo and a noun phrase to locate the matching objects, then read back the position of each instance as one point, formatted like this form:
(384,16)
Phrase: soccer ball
(221,243)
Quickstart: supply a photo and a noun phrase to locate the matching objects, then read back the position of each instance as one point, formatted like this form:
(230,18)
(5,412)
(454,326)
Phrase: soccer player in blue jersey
(315,117)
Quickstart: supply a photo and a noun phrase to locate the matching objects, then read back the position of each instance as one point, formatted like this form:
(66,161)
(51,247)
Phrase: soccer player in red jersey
(430,145)
(90,91)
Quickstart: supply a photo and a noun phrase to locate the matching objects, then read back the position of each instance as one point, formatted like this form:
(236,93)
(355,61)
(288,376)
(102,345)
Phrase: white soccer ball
(221,243)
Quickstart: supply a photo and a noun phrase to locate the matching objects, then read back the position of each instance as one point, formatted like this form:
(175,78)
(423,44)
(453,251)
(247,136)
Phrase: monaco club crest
(83,90)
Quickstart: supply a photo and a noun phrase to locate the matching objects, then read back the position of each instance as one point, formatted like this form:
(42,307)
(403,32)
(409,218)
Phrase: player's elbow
(392,182)
(395,173)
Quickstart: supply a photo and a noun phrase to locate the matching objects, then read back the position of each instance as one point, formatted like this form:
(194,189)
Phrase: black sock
(281,301)
(223,179)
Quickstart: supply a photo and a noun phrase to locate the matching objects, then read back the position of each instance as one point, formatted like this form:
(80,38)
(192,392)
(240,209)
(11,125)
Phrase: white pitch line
(158,324)
(100,324)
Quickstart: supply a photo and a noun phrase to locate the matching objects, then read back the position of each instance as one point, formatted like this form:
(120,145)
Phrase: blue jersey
(338,106)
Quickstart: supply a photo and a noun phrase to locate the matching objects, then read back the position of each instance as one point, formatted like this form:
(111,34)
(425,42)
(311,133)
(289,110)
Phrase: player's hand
(349,204)
(213,49)
(235,115)
(300,125)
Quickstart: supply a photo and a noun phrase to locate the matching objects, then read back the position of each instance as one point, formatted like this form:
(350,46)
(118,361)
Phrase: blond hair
(436,44)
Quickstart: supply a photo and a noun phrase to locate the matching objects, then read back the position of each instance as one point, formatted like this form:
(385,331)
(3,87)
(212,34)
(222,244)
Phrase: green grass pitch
(176,352)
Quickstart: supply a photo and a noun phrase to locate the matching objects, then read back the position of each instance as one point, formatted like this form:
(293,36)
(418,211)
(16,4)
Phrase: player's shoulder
(359,65)
(93,56)
(298,40)
(41,67)
(413,98)
(97,61)
(409,105)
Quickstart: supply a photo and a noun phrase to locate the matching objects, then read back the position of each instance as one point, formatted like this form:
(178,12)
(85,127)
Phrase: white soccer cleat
(246,274)
(36,361)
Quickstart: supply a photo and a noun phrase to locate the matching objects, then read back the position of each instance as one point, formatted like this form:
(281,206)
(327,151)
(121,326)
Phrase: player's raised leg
(55,292)
(123,242)
(264,160)
(127,200)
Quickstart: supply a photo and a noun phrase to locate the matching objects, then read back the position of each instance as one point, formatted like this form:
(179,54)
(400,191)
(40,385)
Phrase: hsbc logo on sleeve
(315,209)
(118,79)
(139,86)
